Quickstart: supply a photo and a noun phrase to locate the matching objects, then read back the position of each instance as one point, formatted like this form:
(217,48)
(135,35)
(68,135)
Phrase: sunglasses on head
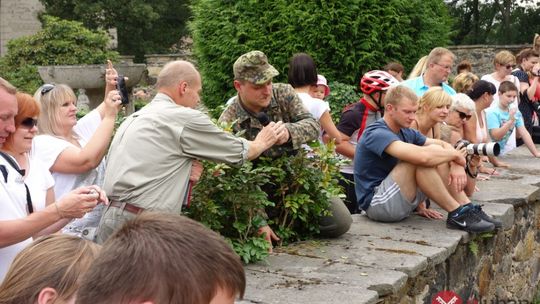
(29,122)
(464,115)
(46,88)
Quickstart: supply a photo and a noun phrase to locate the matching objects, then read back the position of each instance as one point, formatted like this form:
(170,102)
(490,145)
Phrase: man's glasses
(463,115)
(46,88)
(446,67)
(29,122)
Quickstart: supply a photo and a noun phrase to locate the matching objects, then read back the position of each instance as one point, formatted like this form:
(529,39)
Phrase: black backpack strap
(4,172)
(22,172)
(13,164)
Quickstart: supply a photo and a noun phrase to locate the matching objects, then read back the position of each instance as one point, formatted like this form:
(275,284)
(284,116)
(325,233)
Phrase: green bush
(340,96)
(345,37)
(60,42)
(227,199)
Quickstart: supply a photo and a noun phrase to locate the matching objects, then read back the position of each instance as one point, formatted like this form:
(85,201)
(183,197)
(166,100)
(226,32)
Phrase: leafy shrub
(345,37)
(340,96)
(228,199)
(60,42)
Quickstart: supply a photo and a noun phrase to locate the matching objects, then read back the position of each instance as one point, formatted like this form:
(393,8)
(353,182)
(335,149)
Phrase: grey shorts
(389,205)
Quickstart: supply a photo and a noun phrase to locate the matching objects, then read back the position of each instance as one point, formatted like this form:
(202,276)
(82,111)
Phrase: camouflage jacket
(284,106)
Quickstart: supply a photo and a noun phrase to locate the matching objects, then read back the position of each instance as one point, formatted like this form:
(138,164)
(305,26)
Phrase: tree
(346,38)
(143,26)
(494,21)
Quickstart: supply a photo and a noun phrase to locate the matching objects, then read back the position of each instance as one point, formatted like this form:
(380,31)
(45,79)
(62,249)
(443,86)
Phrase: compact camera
(122,89)
(486,149)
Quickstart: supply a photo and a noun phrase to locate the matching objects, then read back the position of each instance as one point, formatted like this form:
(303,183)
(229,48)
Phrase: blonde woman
(73,150)
(48,271)
(433,109)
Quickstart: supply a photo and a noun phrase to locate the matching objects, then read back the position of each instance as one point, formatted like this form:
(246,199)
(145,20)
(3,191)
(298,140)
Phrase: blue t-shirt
(496,117)
(419,87)
(371,164)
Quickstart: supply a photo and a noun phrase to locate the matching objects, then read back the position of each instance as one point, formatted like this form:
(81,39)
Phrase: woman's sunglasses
(46,88)
(464,115)
(29,123)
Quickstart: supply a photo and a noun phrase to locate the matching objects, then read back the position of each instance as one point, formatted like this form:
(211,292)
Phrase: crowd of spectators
(404,146)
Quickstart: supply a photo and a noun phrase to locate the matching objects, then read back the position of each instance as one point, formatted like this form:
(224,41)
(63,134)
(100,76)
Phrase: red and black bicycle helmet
(375,81)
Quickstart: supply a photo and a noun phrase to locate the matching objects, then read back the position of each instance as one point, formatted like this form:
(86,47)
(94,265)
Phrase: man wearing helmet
(355,118)
(439,66)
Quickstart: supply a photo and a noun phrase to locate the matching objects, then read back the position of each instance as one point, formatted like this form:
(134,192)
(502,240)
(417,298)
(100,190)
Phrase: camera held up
(122,89)
(486,149)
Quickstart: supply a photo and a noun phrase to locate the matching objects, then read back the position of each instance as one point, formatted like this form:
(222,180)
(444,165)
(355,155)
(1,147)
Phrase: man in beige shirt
(152,158)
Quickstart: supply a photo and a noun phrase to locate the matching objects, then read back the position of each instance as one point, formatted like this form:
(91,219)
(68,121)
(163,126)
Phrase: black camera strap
(15,166)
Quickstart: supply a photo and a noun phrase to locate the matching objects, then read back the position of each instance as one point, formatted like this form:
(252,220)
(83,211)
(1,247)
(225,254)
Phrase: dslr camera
(122,89)
(485,149)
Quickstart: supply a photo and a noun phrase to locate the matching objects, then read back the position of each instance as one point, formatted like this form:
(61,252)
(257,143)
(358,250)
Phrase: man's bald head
(176,71)
(181,81)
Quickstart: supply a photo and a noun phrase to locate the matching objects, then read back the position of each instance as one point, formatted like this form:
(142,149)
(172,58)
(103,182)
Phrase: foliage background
(60,42)
(494,21)
(346,38)
(143,27)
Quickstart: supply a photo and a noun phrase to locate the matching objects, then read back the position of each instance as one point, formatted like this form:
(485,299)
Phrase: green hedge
(346,38)
(60,42)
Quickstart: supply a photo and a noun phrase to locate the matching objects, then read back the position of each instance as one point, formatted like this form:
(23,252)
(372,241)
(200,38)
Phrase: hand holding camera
(486,149)
(122,89)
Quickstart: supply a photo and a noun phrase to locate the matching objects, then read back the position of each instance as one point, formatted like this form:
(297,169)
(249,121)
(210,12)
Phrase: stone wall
(18,18)
(413,261)
(481,56)
(155,63)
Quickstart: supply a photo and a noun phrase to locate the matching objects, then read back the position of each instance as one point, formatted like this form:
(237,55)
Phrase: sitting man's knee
(338,222)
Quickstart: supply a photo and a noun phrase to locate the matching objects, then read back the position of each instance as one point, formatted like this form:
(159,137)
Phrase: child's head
(321,90)
(507,93)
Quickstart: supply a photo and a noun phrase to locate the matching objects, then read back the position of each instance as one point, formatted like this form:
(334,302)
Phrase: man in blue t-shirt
(400,168)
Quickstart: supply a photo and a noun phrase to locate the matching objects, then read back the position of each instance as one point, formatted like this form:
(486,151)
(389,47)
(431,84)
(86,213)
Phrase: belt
(126,206)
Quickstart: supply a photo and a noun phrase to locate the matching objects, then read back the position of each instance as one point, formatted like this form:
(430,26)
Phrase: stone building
(18,18)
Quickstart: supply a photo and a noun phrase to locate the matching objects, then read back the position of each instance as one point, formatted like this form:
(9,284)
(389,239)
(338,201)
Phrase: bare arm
(498,133)
(80,160)
(430,155)
(15,231)
(329,127)
(110,84)
(531,90)
(345,148)
(56,226)
(72,205)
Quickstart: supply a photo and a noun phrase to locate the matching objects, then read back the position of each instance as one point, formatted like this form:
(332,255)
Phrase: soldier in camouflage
(256,94)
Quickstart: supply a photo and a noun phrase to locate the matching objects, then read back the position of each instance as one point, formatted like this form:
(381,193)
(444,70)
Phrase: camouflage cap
(254,67)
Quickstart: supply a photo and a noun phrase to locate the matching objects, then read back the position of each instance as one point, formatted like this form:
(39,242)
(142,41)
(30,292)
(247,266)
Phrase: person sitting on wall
(400,168)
